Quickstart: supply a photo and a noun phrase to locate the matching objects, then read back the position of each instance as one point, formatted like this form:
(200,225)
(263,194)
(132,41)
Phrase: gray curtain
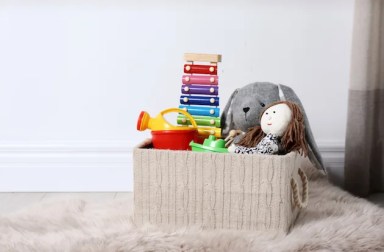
(364,166)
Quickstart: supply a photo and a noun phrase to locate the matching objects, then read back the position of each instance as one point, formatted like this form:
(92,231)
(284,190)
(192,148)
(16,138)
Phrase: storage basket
(216,190)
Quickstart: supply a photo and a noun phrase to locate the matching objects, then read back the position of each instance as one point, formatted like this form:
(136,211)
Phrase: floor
(11,202)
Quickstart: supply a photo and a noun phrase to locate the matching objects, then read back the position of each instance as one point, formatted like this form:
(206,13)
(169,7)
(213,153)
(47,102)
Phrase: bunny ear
(226,116)
(313,152)
(281,93)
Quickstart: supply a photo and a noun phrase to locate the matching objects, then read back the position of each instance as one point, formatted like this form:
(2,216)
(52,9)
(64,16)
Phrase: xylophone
(200,92)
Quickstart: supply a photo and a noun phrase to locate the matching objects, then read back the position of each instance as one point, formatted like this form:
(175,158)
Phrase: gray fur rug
(333,221)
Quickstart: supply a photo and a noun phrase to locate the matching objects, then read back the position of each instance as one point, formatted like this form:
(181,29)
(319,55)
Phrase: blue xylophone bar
(201,111)
(199,100)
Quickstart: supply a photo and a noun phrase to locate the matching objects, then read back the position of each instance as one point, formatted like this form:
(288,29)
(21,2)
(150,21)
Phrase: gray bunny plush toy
(245,105)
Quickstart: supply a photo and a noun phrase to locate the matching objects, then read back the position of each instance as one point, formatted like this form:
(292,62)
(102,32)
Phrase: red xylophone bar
(200,69)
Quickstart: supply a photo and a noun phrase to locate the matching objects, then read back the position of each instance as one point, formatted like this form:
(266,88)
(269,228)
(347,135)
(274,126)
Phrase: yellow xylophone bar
(206,131)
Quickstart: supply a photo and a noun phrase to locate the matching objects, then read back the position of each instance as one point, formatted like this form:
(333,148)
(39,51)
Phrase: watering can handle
(170,110)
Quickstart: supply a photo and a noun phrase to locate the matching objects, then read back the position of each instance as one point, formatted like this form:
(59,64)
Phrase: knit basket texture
(178,189)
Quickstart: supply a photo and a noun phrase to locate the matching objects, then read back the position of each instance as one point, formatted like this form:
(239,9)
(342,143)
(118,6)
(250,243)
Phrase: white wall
(79,73)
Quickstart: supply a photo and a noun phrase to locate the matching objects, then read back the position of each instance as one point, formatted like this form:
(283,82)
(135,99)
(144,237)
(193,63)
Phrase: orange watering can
(166,135)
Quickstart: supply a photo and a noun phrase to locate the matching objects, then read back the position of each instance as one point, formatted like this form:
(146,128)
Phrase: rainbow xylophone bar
(206,131)
(200,121)
(201,79)
(199,100)
(201,111)
(199,89)
(200,69)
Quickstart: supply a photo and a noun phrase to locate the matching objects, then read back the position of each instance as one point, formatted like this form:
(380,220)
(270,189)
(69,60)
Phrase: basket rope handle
(300,203)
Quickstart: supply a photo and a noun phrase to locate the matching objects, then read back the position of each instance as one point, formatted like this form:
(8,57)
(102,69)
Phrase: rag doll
(281,131)
(245,104)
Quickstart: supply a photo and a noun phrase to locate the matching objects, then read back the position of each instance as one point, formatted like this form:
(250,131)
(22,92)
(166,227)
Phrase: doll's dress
(270,144)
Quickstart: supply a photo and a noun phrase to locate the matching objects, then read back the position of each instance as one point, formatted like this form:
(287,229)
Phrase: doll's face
(275,119)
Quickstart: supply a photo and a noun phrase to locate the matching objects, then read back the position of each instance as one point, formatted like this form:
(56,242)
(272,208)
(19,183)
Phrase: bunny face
(275,120)
(248,104)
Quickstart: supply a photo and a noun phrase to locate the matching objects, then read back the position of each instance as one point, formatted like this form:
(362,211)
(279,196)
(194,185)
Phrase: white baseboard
(69,167)
(96,167)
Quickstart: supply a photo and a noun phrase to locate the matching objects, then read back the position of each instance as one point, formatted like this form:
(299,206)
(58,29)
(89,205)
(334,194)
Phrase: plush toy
(281,131)
(245,105)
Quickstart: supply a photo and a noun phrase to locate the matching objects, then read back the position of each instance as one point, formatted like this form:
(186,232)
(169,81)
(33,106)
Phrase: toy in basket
(246,103)
(166,135)
(200,87)
(281,131)
(209,189)
(211,144)
(200,93)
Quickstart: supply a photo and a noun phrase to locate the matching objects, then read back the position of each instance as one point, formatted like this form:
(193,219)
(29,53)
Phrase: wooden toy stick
(213,58)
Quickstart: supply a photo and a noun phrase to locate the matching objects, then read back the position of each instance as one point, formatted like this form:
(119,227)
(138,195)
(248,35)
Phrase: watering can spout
(143,121)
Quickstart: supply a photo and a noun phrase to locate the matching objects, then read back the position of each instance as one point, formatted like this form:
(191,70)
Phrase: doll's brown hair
(293,138)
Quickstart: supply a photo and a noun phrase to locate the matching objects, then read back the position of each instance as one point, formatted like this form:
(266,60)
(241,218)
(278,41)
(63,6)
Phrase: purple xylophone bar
(199,89)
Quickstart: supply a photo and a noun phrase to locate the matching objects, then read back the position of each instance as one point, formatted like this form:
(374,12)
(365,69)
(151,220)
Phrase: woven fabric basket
(218,191)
